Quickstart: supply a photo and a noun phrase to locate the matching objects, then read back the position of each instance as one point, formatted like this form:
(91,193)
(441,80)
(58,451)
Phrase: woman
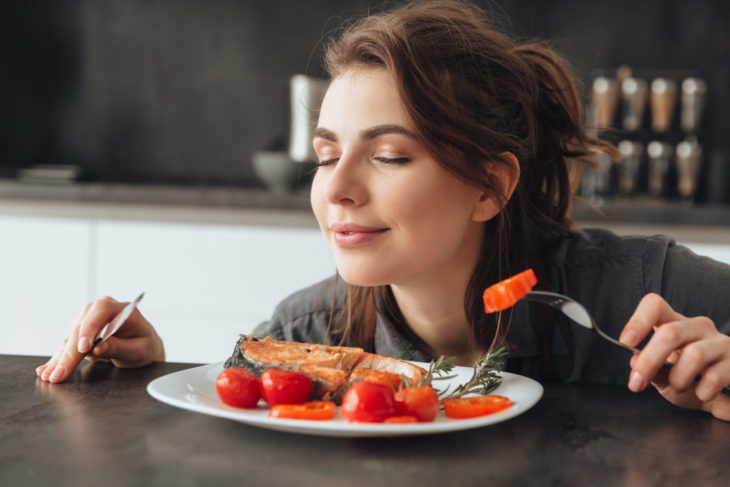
(447,153)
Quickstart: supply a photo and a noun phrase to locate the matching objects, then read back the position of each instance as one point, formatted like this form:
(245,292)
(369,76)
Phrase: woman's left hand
(692,345)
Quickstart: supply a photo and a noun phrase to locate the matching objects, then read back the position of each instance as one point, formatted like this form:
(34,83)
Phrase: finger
(667,338)
(126,352)
(652,310)
(102,311)
(719,407)
(45,371)
(694,359)
(64,360)
(714,379)
(686,399)
(51,364)
(68,360)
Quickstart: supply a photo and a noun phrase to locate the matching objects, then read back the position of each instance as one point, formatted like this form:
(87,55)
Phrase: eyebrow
(366,134)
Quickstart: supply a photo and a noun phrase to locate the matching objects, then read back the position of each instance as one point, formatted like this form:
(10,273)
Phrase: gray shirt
(608,274)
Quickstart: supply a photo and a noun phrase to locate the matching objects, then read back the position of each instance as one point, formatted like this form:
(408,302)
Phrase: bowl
(276,170)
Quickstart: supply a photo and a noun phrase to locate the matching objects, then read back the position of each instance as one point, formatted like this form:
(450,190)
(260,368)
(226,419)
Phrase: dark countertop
(155,194)
(101,428)
(645,210)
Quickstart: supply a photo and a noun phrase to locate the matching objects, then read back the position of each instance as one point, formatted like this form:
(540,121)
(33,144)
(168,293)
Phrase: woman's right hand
(135,344)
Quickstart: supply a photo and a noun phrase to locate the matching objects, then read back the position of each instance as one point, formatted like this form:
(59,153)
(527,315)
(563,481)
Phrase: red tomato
(285,387)
(505,294)
(313,410)
(421,402)
(238,387)
(471,407)
(368,402)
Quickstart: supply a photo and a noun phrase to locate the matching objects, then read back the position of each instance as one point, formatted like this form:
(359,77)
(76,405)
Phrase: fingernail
(57,373)
(637,382)
(83,345)
(629,337)
(46,372)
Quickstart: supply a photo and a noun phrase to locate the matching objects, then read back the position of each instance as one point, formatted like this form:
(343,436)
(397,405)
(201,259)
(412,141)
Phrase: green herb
(485,377)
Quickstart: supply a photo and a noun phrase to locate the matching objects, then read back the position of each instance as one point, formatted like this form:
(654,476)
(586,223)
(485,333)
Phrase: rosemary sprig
(440,366)
(485,377)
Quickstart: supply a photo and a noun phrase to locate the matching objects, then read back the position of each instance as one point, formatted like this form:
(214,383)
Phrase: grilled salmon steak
(332,368)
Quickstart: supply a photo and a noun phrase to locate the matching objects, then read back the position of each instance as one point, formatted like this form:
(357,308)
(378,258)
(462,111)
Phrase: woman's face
(389,212)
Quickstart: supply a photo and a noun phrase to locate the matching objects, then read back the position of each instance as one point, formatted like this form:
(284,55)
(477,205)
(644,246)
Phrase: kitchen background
(150,112)
(174,92)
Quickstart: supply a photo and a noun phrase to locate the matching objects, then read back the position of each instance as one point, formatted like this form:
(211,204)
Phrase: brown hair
(472,94)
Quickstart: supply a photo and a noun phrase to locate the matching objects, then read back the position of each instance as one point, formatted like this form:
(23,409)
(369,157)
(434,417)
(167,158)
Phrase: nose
(347,182)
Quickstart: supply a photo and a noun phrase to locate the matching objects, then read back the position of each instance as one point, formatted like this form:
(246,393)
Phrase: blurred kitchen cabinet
(44,280)
(205,284)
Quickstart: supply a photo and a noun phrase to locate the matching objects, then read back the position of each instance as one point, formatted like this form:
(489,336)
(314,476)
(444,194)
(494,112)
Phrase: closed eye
(327,162)
(396,160)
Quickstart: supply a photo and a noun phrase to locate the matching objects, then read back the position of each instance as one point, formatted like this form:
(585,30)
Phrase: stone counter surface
(102,428)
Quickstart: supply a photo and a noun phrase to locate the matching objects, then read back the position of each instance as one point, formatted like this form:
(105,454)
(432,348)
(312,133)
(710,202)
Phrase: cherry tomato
(386,378)
(401,419)
(285,387)
(238,387)
(505,294)
(368,402)
(313,410)
(471,407)
(421,402)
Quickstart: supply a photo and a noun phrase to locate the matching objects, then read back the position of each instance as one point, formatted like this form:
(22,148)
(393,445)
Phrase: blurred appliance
(305,98)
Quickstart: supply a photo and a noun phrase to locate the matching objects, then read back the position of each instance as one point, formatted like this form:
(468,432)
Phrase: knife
(113,326)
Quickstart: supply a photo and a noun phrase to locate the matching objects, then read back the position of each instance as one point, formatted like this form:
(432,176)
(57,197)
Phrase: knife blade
(113,326)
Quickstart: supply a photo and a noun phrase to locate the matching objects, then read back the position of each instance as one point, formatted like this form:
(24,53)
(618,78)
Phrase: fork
(575,311)
(579,314)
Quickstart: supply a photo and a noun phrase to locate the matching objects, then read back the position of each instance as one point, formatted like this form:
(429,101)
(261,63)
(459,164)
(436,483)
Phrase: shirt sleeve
(696,285)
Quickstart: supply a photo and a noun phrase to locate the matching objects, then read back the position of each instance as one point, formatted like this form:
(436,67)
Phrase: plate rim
(339,427)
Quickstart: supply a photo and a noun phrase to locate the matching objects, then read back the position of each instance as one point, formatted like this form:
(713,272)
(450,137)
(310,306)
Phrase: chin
(363,277)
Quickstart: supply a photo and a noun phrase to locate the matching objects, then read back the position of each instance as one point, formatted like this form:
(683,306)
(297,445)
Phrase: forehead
(360,98)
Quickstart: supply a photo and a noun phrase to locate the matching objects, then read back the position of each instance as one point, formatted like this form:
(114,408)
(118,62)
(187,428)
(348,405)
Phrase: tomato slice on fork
(505,294)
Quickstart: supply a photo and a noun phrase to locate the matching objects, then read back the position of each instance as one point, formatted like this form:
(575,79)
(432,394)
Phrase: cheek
(431,211)
(317,199)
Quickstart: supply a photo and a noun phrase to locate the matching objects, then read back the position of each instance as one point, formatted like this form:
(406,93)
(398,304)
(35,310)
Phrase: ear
(505,176)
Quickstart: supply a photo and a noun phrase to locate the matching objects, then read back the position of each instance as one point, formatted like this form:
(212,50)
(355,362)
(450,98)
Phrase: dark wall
(184,92)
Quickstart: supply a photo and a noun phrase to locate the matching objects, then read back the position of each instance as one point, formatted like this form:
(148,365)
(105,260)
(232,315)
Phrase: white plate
(194,389)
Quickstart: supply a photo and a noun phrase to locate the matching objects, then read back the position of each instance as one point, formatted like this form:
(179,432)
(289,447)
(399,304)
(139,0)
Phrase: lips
(352,235)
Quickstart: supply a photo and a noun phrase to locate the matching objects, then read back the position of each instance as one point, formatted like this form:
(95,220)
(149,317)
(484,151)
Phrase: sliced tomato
(238,387)
(368,402)
(505,294)
(401,419)
(313,410)
(285,387)
(386,378)
(421,402)
(471,407)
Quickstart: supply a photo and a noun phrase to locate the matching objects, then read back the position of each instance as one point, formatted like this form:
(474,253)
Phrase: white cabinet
(205,284)
(44,281)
